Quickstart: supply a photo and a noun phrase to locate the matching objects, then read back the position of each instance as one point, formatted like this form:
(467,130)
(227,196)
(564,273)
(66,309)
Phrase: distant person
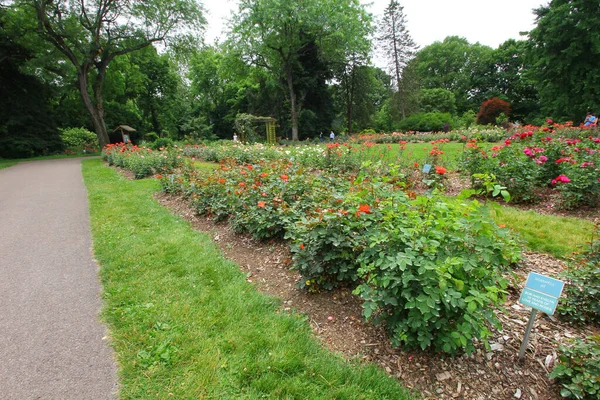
(235,137)
(321,137)
(590,120)
(332,136)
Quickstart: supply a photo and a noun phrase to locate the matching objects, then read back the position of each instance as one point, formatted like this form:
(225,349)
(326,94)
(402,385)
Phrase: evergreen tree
(397,45)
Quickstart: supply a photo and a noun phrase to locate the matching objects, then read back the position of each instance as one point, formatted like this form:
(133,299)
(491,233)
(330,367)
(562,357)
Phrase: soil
(335,317)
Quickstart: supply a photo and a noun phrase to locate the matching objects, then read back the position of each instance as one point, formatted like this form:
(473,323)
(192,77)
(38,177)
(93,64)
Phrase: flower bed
(428,268)
(142,161)
(529,161)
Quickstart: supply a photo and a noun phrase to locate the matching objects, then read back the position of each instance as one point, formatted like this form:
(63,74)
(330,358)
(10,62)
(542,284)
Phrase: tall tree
(397,45)
(89,34)
(455,65)
(565,52)
(274,34)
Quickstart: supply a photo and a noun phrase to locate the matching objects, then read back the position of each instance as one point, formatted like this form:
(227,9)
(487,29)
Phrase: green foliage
(578,369)
(79,139)
(162,143)
(581,300)
(432,273)
(428,122)
(438,100)
(457,66)
(565,46)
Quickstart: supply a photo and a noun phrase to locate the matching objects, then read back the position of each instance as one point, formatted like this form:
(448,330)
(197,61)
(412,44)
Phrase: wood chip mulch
(336,320)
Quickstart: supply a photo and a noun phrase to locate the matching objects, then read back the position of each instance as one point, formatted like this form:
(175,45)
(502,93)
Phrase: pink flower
(561,179)
(549,121)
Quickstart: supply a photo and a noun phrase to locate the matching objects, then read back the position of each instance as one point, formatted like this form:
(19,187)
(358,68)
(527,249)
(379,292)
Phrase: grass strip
(185,323)
(558,236)
(6,164)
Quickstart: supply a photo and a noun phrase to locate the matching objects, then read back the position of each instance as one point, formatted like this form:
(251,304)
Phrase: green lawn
(7,163)
(558,236)
(185,323)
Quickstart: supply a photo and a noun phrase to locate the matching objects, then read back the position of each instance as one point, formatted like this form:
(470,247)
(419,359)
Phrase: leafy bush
(428,122)
(432,273)
(491,109)
(79,139)
(581,301)
(162,143)
(578,369)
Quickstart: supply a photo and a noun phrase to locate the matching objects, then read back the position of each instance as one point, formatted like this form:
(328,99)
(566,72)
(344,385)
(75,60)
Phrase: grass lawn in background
(184,321)
(558,236)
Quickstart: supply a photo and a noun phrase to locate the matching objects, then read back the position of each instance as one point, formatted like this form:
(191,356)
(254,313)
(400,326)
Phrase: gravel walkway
(51,340)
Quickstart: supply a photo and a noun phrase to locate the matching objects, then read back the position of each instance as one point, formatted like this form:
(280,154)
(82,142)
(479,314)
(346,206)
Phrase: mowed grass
(557,236)
(7,163)
(184,322)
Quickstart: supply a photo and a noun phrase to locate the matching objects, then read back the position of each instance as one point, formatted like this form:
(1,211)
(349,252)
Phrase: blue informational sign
(426,168)
(541,292)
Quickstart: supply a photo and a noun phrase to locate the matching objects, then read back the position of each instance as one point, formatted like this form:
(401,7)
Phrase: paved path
(51,340)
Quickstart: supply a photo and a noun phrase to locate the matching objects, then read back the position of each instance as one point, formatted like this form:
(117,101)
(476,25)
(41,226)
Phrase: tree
(27,127)
(91,34)
(457,66)
(274,34)
(438,100)
(565,52)
(511,79)
(397,45)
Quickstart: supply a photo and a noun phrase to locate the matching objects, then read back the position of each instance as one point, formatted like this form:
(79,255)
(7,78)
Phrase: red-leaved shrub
(491,109)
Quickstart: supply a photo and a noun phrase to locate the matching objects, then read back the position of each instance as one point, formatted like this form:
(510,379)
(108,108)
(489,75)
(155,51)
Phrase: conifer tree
(397,45)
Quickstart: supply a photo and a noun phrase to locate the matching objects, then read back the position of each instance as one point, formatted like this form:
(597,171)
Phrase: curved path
(51,340)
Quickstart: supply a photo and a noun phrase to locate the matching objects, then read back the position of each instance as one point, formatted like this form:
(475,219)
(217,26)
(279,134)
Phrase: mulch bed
(336,320)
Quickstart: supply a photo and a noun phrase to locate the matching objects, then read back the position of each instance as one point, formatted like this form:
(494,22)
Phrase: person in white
(235,137)
(332,136)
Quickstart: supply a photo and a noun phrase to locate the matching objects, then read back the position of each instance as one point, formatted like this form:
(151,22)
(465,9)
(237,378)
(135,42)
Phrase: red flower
(363,208)
(242,184)
(301,246)
(159,176)
(261,204)
(284,177)
(264,175)
(221,180)
(416,164)
(440,170)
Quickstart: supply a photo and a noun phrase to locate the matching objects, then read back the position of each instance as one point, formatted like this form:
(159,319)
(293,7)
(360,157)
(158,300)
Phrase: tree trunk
(97,114)
(295,112)
(350,100)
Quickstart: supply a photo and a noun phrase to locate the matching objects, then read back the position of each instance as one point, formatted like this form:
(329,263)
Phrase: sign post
(540,293)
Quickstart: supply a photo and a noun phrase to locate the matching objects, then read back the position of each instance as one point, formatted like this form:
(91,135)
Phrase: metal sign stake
(527,332)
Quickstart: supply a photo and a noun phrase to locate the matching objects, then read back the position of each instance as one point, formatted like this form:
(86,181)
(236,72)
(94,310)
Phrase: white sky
(489,22)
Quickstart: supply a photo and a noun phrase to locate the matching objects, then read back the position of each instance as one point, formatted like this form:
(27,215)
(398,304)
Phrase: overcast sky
(488,22)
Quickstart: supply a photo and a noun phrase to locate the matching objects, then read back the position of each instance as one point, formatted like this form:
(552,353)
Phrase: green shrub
(581,300)
(578,369)
(79,139)
(428,122)
(162,143)
(432,273)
